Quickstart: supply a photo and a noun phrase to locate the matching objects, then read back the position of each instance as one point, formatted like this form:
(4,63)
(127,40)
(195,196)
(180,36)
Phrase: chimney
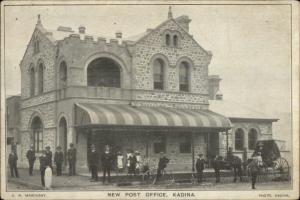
(119,34)
(184,21)
(214,87)
(81,29)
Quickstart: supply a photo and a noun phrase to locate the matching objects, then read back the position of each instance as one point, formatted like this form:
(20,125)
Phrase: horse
(236,164)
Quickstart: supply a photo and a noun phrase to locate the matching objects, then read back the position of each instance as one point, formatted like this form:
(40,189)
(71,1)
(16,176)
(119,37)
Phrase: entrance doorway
(63,132)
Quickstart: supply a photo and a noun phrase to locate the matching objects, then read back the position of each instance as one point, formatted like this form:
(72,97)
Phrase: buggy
(273,163)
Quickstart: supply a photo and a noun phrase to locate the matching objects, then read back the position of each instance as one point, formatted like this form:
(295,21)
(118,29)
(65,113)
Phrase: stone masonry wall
(189,50)
(46,56)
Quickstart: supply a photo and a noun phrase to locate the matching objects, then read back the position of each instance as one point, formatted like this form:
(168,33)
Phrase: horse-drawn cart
(273,164)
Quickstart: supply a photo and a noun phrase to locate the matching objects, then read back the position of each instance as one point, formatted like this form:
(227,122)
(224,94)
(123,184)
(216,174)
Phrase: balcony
(131,95)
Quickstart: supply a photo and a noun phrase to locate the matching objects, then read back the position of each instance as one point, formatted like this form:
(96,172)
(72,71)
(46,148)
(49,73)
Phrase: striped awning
(126,115)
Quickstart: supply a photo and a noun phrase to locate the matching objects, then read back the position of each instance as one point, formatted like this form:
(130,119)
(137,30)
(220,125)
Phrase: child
(120,161)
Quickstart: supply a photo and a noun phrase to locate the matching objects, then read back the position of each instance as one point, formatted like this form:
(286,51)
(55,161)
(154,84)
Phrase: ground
(79,182)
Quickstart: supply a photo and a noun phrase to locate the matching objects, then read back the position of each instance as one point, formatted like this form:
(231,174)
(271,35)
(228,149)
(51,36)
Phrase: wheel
(281,168)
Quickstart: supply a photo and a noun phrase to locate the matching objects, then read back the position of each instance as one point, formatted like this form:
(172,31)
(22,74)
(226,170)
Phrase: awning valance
(126,115)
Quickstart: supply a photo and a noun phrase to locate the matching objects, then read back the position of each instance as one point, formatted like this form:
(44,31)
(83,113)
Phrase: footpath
(82,181)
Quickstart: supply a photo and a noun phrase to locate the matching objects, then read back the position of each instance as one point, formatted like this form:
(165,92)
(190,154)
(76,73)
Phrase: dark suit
(49,158)
(12,160)
(132,164)
(107,162)
(72,161)
(58,159)
(93,164)
(162,164)
(200,167)
(31,158)
(44,162)
(216,164)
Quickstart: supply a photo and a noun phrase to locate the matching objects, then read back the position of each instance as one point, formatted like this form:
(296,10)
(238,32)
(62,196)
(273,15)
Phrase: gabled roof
(139,37)
(234,110)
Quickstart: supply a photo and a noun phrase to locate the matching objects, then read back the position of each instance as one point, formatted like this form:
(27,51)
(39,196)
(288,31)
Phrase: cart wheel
(281,167)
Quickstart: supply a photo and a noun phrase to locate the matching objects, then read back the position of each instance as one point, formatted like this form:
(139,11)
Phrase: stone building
(248,125)
(146,93)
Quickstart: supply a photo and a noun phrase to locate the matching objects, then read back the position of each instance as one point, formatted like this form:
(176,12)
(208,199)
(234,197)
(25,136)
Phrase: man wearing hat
(162,164)
(30,155)
(72,159)
(93,163)
(200,167)
(44,162)
(58,160)
(49,156)
(107,162)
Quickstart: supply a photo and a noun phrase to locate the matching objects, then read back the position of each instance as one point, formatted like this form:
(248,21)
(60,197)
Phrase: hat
(71,144)
(137,152)
(200,154)
(59,147)
(47,147)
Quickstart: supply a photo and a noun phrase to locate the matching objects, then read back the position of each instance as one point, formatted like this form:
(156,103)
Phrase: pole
(147,143)
(193,152)
(227,143)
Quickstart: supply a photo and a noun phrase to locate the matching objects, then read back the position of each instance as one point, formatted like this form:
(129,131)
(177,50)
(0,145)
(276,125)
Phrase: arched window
(158,74)
(168,40)
(252,139)
(104,72)
(239,139)
(63,75)
(32,80)
(37,131)
(175,41)
(41,79)
(184,77)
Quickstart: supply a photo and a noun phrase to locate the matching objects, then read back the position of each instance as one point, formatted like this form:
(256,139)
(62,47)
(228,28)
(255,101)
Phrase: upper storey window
(32,80)
(175,41)
(184,77)
(171,39)
(36,47)
(41,78)
(158,74)
(104,72)
(63,74)
(168,42)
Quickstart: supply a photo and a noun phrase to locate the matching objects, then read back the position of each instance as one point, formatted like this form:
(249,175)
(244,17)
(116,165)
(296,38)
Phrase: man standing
(49,156)
(216,164)
(162,164)
(58,160)
(93,163)
(72,160)
(107,161)
(254,167)
(31,158)
(200,167)
(132,164)
(12,160)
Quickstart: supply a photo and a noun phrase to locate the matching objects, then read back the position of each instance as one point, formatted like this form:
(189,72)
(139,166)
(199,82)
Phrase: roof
(235,110)
(126,115)
(55,35)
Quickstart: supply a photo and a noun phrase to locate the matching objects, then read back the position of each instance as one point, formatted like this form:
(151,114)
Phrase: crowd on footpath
(134,163)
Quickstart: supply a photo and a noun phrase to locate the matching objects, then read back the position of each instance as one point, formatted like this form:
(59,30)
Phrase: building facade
(146,93)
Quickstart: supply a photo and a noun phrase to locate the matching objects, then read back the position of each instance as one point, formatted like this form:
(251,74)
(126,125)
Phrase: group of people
(133,162)
(45,161)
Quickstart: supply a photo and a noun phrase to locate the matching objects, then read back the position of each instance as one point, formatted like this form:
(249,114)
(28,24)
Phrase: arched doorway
(62,141)
(37,134)
(104,72)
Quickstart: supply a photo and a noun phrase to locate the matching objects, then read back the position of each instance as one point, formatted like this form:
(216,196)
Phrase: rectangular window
(159,144)
(186,143)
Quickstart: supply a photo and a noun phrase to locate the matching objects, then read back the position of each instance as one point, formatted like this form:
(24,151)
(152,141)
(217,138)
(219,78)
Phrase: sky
(251,45)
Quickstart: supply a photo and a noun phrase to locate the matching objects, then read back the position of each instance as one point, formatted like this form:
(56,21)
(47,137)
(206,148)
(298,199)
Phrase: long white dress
(48,178)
